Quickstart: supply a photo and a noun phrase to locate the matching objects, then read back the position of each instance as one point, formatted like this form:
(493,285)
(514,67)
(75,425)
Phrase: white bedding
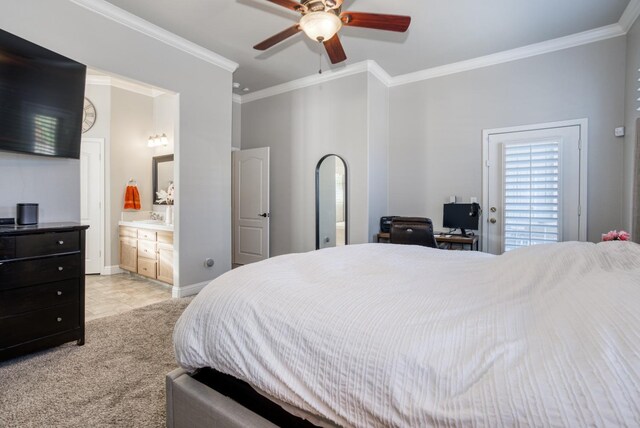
(388,335)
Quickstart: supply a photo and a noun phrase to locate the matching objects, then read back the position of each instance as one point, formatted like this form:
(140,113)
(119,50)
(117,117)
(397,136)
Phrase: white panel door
(91,179)
(533,188)
(250,205)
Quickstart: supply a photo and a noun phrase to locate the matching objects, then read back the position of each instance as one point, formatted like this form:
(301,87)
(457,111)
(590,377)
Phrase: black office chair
(412,231)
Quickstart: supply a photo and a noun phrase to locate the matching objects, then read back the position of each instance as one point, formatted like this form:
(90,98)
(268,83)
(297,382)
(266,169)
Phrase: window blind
(531,194)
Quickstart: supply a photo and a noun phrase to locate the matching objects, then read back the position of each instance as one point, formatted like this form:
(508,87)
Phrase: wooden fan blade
(289,4)
(335,50)
(378,21)
(273,40)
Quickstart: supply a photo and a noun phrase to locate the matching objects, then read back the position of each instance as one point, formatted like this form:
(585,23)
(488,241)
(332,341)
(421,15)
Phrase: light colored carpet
(116,379)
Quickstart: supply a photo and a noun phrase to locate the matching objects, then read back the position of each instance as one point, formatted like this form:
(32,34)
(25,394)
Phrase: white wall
(435,126)
(301,126)
(203,213)
(631,106)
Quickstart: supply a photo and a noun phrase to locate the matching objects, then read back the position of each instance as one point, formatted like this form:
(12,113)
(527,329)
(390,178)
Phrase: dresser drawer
(7,247)
(147,250)
(21,328)
(39,271)
(147,267)
(147,235)
(42,244)
(26,299)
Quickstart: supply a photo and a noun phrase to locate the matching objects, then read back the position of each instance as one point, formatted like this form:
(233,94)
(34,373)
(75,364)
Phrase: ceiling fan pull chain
(320,62)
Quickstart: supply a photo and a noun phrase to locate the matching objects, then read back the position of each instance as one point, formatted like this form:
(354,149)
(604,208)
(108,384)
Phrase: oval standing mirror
(331,202)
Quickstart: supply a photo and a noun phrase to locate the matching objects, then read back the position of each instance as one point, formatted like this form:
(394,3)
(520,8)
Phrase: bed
(389,335)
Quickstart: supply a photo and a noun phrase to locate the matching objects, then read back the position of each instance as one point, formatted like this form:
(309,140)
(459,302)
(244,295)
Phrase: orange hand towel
(131,198)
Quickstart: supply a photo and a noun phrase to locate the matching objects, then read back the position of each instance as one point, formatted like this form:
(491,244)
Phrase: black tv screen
(41,99)
(461,216)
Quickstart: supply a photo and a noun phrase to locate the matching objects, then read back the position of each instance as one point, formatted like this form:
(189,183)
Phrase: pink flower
(614,235)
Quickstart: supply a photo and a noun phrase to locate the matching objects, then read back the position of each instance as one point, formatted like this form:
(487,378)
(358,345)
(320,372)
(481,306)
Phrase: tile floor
(114,294)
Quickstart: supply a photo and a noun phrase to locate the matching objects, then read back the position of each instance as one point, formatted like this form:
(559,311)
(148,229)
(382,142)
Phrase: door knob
(493,209)
(265,215)
(492,220)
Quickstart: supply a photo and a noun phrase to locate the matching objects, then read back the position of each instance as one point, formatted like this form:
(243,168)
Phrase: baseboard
(111,270)
(188,290)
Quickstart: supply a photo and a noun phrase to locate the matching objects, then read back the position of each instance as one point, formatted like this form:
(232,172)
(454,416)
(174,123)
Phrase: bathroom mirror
(162,175)
(331,202)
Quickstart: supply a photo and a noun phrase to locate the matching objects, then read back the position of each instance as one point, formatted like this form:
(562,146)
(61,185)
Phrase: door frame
(101,196)
(583,124)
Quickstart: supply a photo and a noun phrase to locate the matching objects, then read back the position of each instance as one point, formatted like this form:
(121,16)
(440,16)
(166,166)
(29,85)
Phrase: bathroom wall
(131,125)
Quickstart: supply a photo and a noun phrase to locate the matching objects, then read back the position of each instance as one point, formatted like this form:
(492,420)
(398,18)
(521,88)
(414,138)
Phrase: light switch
(619,131)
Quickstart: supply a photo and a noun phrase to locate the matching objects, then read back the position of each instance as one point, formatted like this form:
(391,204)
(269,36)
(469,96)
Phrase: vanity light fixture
(158,140)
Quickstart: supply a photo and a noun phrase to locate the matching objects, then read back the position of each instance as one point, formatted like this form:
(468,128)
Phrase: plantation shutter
(531,194)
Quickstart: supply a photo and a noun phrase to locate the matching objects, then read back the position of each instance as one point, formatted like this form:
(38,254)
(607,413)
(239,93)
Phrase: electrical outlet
(473,200)
(619,132)
(452,199)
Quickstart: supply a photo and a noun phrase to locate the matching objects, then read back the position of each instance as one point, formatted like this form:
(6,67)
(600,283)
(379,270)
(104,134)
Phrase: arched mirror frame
(346,199)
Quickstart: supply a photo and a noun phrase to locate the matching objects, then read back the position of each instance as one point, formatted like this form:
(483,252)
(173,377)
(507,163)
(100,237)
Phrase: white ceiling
(441,32)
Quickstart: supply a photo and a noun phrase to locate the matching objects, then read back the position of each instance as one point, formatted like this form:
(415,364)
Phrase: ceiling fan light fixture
(320,26)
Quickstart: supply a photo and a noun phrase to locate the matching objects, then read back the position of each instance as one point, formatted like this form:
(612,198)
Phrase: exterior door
(91,196)
(533,191)
(250,205)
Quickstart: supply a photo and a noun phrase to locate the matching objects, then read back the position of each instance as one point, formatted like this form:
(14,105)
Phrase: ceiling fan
(322,19)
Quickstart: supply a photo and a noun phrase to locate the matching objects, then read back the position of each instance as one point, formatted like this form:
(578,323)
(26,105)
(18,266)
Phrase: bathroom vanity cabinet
(147,251)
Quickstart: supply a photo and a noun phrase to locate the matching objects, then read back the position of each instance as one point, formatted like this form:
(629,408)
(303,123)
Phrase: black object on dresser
(41,287)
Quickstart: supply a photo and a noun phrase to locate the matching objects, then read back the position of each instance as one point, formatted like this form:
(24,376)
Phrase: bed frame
(208,398)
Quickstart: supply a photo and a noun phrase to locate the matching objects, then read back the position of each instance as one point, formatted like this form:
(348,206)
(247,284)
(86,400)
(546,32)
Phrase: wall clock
(88,115)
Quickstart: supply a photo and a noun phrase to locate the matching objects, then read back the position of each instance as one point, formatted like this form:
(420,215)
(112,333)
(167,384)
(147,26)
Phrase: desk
(453,242)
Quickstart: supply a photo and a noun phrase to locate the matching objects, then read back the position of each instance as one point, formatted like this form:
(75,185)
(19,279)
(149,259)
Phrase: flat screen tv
(41,99)
(461,216)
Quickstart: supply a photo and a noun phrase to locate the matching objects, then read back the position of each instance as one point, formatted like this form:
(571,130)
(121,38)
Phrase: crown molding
(586,37)
(630,15)
(314,79)
(236,98)
(136,23)
(93,79)
(554,45)
(379,73)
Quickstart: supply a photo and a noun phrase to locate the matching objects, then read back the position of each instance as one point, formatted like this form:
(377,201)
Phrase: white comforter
(389,335)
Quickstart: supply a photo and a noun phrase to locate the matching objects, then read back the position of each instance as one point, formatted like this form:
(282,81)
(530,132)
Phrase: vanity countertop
(147,224)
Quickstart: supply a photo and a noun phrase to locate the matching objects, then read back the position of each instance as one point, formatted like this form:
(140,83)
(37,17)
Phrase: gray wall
(53,183)
(378,154)
(237,125)
(436,125)
(203,213)
(300,127)
(631,106)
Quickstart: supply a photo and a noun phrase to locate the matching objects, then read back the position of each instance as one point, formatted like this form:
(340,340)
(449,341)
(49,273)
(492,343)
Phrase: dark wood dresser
(41,287)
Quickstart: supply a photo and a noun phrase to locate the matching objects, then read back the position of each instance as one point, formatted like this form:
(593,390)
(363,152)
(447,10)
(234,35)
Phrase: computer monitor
(461,216)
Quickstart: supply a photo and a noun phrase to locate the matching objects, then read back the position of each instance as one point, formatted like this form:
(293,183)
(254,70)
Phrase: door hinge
(486,163)
(579,210)
(580,144)
(100,254)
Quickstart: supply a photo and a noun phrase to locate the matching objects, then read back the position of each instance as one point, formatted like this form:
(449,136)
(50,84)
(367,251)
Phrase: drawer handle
(60,242)
(59,293)
(60,268)
(59,319)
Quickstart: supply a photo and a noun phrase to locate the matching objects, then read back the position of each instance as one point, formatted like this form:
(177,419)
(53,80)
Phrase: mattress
(381,335)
